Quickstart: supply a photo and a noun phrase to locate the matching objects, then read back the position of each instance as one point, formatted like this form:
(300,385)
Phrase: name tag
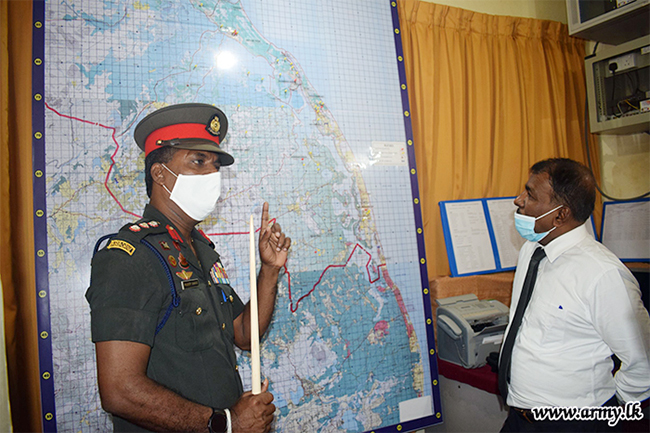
(189,284)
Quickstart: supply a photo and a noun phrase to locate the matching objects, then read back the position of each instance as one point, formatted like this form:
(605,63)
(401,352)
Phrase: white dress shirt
(585,306)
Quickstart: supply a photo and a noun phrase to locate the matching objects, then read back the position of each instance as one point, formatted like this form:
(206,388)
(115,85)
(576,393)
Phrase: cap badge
(214,126)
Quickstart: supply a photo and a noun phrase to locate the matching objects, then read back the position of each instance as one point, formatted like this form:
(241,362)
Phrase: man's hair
(162,155)
(573,184)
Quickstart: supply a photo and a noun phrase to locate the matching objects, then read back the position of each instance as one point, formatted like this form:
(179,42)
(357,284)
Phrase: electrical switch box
(618,85)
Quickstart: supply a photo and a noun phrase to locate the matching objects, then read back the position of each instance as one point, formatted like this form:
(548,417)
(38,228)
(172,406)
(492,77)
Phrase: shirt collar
(559,245)
(151,213)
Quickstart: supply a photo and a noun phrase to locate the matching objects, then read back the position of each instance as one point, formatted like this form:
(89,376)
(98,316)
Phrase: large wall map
(317,114)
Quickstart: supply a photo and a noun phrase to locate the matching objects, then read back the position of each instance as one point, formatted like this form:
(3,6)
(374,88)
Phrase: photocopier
(469,329)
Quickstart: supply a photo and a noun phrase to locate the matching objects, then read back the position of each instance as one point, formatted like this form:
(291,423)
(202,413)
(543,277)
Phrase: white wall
(625,164)
(554,10)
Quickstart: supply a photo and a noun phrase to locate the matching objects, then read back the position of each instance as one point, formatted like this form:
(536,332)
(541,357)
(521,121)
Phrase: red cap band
(178,131)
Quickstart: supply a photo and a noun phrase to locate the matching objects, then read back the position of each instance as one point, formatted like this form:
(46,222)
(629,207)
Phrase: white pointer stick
(255,328)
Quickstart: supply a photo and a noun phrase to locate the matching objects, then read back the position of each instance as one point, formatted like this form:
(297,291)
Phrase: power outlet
(624,62)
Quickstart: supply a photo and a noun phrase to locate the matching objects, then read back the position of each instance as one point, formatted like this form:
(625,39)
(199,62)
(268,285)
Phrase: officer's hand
(253,413)
(274,246)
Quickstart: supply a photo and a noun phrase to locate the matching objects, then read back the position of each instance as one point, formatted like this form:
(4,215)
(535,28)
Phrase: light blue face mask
(525,225)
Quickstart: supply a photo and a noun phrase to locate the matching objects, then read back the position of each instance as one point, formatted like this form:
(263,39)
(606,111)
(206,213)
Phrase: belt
(526,414)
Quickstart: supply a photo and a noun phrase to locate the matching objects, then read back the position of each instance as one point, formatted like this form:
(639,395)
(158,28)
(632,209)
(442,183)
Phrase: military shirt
(130,295)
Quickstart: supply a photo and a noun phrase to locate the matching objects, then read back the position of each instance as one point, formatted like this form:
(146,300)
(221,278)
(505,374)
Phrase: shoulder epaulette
(130,235)
(133,235)
(143,228)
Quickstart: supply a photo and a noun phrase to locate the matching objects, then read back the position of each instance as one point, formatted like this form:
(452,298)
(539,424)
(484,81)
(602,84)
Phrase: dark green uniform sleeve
(237,304)
(126,295)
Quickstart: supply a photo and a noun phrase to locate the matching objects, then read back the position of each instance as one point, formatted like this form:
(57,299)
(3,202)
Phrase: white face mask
(196,195)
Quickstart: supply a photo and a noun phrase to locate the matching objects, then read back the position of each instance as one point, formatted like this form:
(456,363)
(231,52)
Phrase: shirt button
(199,311)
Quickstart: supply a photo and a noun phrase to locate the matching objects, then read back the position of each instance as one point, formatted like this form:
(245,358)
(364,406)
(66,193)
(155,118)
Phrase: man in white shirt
(584,306)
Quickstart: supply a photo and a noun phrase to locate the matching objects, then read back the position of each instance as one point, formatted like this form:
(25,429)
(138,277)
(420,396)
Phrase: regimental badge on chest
(218,274)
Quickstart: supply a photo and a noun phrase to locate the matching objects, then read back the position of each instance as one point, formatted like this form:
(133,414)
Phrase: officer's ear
(158,173)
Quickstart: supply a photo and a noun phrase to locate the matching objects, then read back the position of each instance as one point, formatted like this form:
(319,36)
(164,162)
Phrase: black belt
(526,414)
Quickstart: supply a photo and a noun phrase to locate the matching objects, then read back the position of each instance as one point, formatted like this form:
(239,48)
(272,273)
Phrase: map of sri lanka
(232,20)
(359,248)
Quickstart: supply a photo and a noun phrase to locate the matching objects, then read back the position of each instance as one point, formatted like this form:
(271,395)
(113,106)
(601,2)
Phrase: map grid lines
(353,308)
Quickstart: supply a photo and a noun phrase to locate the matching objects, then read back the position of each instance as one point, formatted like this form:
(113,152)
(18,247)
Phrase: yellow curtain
(16,221)
(490,96)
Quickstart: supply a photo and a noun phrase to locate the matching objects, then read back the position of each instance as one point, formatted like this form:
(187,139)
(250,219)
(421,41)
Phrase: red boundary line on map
(117,147)
(291,305)
(370,280)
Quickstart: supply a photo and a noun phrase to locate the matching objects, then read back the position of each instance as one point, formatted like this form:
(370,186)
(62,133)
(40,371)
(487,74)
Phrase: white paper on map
(392,153)
(415,408)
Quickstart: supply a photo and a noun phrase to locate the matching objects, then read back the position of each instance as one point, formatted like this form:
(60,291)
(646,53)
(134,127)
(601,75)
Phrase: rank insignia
(172,260)
(121,245)
(135,228)
(144,225)
(183,261)
(154,223)
(184,275)
(205,236)
(214,127)
(174,234)
(164,245)
(218,274)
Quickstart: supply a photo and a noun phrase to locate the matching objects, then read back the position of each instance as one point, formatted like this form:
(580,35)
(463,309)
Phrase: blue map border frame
(44,327)
(436,418)
(48,404)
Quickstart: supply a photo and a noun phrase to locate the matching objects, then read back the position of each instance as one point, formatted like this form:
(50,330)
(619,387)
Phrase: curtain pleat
(490,96)
(16,217)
